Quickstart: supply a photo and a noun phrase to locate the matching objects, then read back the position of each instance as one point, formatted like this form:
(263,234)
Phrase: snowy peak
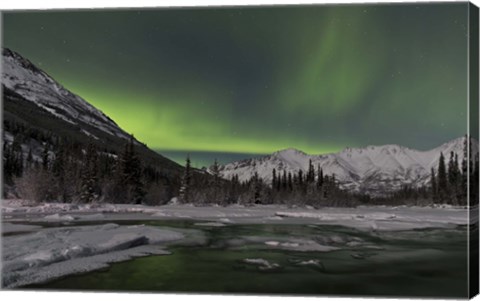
(372,169)
(23,78)
(289,152)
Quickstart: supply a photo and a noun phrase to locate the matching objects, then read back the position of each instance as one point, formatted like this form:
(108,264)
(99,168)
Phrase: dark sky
(259,79)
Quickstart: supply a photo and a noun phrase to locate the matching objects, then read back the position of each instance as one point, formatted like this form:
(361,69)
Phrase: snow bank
(24,206)
(377,218)
(54,252)
(382,218)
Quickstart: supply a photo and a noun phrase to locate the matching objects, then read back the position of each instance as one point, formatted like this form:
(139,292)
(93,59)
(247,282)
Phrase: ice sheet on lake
(286,243)
(261,263)
(53,252)
(210,224)
(58,217)
(8,228)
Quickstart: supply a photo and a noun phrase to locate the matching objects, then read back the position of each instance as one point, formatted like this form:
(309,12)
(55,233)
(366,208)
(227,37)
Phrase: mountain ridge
(34,98)
(374,169)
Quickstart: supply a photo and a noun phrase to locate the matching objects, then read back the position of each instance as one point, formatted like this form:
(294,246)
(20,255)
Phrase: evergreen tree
(17,156)
(310,173)
(464,184)
(279,184)
(216,181)
(284,180)
(216,173)
(45,158)
(442,180)
(320,176)
(300,178)
(7,162)
(89,179)
(290,181)
(29,163)
(58,170)
(256,185)
(457,182)
(129,174)
(274,179)
(433,185)
(475,182)
(186,182)
(453,172)
(136,176)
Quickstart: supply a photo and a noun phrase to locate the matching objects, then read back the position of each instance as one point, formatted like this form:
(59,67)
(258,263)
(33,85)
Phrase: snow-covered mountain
(31,83)
(373,169)
(33,98)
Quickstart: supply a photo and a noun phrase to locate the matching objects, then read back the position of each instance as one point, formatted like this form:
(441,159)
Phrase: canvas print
(321,150)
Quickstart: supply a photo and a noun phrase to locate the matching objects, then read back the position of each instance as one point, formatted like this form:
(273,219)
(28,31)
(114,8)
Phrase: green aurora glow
(260,79)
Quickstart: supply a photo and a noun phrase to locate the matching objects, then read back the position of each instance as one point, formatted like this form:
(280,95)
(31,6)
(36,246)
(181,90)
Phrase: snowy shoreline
(382,218)
(33,253)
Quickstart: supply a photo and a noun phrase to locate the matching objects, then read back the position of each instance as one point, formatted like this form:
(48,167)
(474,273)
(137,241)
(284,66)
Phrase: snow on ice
(54,252)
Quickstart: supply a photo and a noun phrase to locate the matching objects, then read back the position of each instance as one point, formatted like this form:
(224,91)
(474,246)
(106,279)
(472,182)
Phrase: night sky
(255,80)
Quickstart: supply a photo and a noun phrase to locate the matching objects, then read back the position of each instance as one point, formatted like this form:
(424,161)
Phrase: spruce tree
(256,188)
(475,182)
(433,185)
(136,176)
(300,178)
(442,179)
(290,181)
(7,162)
(452,174)
(89,179)
(29,163)
(274,179)
(17,154)
(186,181)
(216,181)
(310,173)
(45,158)
(320,176)
(216,171)
(129,175)
(464,185)
(58,170)
(278,187)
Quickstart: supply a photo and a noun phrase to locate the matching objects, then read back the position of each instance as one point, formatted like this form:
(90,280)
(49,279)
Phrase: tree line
(40,166)
(59,169)
(451,182)
(312,188)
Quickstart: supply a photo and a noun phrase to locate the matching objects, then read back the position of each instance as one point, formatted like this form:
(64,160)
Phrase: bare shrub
(35,185)
(156,195)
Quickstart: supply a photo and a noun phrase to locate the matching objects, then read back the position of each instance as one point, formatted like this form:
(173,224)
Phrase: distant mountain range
(375,170)
(34,98)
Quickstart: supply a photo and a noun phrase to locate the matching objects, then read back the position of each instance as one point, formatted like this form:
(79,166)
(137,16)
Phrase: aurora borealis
(254,80)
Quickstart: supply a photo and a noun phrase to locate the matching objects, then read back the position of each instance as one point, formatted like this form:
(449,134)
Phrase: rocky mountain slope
(33,98)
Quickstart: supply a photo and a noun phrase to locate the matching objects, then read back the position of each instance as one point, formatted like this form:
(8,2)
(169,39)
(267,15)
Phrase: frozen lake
(336,251)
